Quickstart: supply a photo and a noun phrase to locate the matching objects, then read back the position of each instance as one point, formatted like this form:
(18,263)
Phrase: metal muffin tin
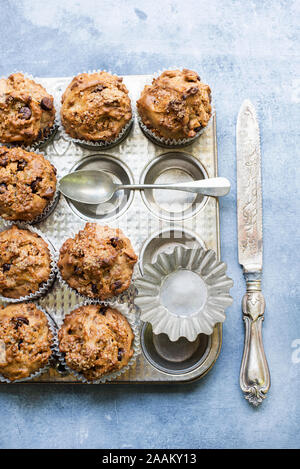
(155,221)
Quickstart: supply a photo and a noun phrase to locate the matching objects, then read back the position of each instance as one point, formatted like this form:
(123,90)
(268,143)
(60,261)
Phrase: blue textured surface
(242,49)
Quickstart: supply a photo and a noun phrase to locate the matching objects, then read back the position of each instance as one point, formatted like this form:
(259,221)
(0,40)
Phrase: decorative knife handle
(254,374)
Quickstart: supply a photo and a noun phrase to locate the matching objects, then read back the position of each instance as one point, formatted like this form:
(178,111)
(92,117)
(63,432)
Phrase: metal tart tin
(184,293)
(169,168)
(121,200)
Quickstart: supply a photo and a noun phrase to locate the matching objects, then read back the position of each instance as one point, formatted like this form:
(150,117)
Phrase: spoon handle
(212,187)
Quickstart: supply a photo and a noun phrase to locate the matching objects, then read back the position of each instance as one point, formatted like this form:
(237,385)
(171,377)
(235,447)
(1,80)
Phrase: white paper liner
(89,143)
(128,312)
(42,141)
(48,209)
(213,274)
(53,349)
(45,287)
(170,142)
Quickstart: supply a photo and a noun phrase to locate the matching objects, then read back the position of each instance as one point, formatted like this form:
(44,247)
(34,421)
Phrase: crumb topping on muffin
(27,111)
(25,262)
(96,340)
(25,340)
(95,107)
(27,184)
(176,105)
(98,262)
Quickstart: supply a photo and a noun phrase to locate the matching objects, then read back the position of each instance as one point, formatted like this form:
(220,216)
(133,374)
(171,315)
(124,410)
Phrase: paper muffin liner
(89,144)
(41,141)
(46,367)
(169,142)
(48,209)
(47,285)
(128,312)
(216,286)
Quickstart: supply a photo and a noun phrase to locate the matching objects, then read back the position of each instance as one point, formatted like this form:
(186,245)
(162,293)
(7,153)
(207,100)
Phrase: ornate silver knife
(254,374)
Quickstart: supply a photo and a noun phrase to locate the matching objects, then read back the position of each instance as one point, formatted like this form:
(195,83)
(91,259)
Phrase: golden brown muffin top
(27,184)
(26,110)
(96,340)
(176,105)
(25,340)
(98,262)
(25,262)
(95,107)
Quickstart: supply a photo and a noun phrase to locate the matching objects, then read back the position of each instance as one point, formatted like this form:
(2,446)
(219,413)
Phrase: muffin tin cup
(46,367)
(47,285)
(169,142)
(90,145)
(128,312)
(42,141)
(48,209)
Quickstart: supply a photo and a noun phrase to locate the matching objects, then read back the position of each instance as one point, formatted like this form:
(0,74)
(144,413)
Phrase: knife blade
(254,374)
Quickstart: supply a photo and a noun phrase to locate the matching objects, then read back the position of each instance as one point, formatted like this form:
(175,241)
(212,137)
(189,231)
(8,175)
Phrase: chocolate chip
(117,285)
(197,129)
(94,288)
(3,187)
(120,354)
(114,242)
(6,267)
(4,160)
(198,78)
(102,310)
(21,165)
(98,89)
(19,344)
(20,321)
(34,184)
(25,112)
(47,104)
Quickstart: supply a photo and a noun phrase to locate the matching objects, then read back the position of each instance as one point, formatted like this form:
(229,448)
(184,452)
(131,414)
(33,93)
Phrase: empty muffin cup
(175,358)
(121,200)
(170,168)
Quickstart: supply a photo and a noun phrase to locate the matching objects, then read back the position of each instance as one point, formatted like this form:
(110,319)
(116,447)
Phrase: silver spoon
(95,187)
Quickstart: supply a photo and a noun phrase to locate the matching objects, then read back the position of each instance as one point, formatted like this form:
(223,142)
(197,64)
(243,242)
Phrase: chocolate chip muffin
(27,184)
(95,340)
(176,105)
(25,262)
(27,111)
(25,340)
(98,262)
(95,107)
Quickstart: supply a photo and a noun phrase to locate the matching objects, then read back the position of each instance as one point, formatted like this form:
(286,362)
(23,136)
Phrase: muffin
(95,107)
(27,184)
(27,111)
(176,105)
(25,262)
(98,262)
(25,341)
(95,340)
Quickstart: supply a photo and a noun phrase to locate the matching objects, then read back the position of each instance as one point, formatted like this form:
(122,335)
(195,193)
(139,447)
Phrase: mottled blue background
(243,49)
